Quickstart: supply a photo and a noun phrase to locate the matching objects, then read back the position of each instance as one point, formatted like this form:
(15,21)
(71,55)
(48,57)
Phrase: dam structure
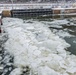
(37,9)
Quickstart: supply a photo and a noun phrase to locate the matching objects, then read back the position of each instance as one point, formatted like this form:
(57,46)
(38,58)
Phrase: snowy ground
(32,49)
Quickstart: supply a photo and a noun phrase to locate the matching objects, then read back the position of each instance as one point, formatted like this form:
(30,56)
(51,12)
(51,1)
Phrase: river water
(32,42)
(64,28)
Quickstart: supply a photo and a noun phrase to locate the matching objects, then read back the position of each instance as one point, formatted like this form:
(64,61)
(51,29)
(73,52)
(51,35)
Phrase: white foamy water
(34,45)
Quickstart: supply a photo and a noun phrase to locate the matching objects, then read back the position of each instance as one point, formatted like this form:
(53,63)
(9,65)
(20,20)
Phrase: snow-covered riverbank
(36,49)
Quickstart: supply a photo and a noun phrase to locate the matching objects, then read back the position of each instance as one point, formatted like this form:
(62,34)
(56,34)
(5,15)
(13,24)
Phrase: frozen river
(38,47)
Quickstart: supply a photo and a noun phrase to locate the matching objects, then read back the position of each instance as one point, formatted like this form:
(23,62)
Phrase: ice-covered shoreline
(32,44)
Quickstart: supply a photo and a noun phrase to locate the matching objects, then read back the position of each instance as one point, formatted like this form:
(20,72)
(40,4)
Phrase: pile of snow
(36,49)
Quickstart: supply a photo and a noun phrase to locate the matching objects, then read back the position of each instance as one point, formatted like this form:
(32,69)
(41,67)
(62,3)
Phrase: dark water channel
(72,42)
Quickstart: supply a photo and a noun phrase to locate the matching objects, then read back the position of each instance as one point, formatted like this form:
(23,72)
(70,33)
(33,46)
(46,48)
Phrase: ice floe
(56,23)
(63,33)
(34,45)
(59,27)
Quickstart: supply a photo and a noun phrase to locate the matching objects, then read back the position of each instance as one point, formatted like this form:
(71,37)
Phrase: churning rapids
(33,47)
